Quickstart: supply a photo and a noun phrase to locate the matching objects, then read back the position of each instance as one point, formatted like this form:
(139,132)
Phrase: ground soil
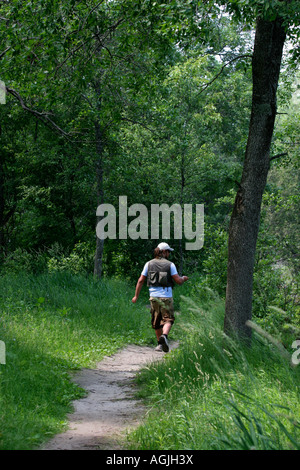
(101,419)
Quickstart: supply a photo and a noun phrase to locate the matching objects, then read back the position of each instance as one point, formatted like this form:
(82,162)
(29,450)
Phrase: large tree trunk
(244,224)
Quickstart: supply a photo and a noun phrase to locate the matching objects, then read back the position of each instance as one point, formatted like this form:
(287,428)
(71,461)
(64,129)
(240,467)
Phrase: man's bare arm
(179,280)
(138,288)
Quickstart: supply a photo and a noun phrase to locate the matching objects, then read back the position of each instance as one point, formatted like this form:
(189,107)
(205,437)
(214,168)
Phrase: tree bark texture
(244,223)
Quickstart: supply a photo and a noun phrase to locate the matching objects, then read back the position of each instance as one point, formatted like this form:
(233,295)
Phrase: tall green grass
(211,393)
(214,393)
(52,324)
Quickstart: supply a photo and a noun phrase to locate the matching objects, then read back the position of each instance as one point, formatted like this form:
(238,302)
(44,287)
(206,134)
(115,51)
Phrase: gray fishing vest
(159,273)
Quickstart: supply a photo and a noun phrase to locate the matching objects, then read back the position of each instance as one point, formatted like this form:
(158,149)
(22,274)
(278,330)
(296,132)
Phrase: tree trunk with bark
(244,223)
(100,198)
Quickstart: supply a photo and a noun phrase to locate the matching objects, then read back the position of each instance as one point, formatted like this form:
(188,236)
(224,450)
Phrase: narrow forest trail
(101,419)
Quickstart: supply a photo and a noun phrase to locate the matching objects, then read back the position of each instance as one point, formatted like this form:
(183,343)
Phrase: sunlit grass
(214,393)
(52,324)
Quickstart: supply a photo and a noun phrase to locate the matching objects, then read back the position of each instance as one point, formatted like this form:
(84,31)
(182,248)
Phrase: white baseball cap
(164,246)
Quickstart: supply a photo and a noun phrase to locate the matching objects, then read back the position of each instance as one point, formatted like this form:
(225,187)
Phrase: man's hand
(178,279)
(134,299)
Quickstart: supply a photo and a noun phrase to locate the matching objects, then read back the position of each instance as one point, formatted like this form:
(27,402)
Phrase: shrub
(79,261)
(27,261)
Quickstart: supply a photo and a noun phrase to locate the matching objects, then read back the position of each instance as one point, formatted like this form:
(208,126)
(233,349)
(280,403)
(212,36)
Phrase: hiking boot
(164,343)
(158,348)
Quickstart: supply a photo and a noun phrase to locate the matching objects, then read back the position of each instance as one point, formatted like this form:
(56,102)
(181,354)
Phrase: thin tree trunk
(244,224)
(99,181)
(98,258)
(100,198)
(6,213)
(182,174)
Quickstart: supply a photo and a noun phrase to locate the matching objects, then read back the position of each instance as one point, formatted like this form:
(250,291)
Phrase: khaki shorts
(162,311)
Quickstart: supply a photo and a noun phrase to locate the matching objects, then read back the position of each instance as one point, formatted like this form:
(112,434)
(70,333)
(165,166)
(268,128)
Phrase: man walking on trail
(161,275)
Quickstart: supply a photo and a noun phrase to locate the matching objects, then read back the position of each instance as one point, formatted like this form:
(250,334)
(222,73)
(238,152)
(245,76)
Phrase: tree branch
(44,116)
(89,13)
(83,43)
(70,55)
(133,121)
(222,69)
(278,156)
(4,52)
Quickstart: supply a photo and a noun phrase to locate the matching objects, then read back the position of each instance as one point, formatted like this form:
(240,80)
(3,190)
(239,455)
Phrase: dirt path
(101,418)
